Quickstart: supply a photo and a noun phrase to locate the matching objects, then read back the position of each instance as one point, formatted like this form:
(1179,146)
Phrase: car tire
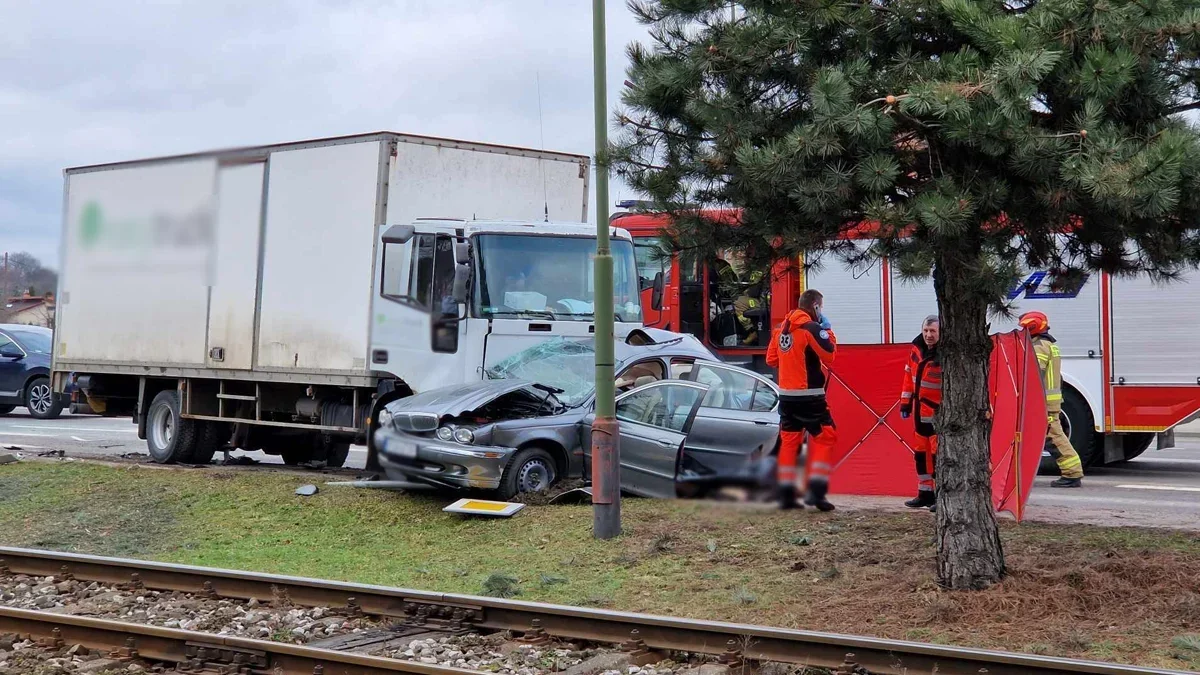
(210,440)
(41,401)
(169,437)
(531,470)
(5,409)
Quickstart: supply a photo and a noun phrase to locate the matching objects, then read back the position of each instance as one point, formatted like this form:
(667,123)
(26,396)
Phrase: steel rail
(201,651)
(828,650)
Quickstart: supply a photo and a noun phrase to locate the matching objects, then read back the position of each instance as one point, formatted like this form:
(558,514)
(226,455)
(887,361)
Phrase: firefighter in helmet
(1050,364)
(747,303)
(922,393)
(800,348)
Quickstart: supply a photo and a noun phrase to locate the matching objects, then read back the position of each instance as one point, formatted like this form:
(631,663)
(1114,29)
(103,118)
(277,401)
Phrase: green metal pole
(606,476)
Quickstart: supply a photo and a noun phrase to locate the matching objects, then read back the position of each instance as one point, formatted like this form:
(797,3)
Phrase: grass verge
(1119,594)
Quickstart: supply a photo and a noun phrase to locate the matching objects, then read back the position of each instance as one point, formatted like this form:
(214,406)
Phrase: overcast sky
(101,81)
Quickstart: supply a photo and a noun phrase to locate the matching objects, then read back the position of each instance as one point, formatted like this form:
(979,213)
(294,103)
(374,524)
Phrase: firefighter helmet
(1035,322)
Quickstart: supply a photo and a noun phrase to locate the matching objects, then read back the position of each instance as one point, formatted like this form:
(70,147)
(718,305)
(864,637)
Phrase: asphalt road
(1159,489)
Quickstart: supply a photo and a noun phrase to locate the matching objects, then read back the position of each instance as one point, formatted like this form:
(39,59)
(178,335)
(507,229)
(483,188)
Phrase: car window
(765,398)
(665,406)
(37,342)
(727,389)
(639,375)
(681,369)
(5,342)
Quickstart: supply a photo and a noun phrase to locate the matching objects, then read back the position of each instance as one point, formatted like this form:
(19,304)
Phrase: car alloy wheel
(40,399)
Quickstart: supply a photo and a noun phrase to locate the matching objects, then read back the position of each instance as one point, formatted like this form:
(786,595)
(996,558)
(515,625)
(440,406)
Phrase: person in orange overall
(801,347)
(922,393)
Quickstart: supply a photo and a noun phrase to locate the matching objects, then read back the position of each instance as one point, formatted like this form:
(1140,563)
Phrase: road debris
(306,490)
(52,453)
(9,458)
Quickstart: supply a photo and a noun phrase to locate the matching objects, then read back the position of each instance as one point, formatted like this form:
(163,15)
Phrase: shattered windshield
(550,278)
(569,365)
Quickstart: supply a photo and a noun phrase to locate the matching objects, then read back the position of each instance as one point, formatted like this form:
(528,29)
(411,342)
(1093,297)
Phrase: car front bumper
(404,455)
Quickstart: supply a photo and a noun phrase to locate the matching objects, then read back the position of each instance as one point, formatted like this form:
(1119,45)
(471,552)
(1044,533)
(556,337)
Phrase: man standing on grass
(922,393)
(800,349)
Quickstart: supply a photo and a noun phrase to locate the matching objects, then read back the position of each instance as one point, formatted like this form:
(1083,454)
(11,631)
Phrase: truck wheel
(532,470)
(1134,445)
(1076,418)
(41,401)
(169,437)
(336,453)
(210,439)
(5,409)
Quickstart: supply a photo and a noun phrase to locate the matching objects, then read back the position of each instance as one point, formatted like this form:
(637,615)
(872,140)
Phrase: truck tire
(1134,445)
(169,437)
(5,409)
(41,401)
(336,454)
(210,440)
(1077,421)
(531,470)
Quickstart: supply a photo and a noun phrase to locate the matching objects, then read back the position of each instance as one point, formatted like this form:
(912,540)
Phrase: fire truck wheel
(1076,418)
(1134,445)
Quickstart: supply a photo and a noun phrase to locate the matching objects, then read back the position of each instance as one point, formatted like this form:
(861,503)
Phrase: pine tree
(975,137)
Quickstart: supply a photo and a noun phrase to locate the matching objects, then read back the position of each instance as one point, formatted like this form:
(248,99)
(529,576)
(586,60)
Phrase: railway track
(424,611)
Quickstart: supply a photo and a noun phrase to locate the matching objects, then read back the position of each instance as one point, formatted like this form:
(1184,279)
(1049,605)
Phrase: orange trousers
(797,417)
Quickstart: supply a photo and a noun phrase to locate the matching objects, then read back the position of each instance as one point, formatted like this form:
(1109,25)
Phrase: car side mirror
(443,338)
(656,296)
(10,352)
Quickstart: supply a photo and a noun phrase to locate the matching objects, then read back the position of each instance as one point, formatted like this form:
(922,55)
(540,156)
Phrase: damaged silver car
(686,419)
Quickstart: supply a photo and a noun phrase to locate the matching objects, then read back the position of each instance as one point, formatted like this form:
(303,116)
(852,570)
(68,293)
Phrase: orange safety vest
(799,348)
(922,381)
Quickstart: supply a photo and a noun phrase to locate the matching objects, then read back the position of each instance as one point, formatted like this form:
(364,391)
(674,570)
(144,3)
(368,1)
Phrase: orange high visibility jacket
(799,348)
(922,381)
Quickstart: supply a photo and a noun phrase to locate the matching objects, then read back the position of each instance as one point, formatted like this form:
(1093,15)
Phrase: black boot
(924,498)
(816,496)
(787,498)
(1067,483)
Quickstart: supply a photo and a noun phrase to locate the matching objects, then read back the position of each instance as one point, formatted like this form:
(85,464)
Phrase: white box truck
(273,298)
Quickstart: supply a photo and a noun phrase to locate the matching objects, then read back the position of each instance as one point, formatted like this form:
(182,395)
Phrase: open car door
(654,421)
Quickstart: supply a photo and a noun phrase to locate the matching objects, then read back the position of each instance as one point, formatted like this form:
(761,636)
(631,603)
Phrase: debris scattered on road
(306,490)
(381,484)
(239,461)
(52,453)
(483,507)
(8,458)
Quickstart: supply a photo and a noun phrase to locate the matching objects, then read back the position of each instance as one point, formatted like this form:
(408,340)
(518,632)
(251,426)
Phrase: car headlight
(445,433)
(464,436)
(385,418)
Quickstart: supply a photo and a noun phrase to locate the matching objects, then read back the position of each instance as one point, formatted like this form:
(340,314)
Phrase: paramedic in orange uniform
(800,347)
(922,393)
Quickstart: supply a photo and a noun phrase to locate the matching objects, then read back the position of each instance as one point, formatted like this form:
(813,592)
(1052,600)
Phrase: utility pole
(606,450)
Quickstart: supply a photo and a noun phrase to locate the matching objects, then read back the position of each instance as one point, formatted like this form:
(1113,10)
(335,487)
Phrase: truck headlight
(464,436)
(445,433)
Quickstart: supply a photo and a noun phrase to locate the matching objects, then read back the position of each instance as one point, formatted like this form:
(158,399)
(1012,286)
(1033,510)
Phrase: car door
(12,369)
(654,421)
(737,420)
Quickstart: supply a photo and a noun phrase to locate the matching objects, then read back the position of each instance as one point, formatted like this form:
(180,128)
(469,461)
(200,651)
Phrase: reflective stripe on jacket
(799,348)
(1050,365)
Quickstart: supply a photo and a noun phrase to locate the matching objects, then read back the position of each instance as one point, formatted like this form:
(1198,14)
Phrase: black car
(25,371)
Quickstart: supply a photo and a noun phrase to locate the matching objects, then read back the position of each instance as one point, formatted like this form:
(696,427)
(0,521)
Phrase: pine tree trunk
(969,553)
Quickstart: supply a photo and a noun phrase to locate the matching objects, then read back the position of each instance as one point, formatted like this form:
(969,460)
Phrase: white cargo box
(260,260)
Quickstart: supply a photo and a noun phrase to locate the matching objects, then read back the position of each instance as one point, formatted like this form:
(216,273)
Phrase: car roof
(20,327)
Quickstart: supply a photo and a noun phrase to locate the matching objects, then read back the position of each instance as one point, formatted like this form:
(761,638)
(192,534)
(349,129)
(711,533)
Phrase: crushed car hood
(456,399)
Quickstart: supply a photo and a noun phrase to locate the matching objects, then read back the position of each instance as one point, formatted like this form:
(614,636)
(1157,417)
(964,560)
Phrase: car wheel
(41,401)
(531,470)
(169,437)
(5,409)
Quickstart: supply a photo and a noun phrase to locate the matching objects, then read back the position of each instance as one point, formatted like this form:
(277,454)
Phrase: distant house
(29,310)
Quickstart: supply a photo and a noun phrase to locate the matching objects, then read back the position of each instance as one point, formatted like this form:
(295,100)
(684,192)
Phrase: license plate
(402,448)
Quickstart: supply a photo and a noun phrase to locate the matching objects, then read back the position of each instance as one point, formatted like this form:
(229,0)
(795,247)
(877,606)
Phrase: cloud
(93,82)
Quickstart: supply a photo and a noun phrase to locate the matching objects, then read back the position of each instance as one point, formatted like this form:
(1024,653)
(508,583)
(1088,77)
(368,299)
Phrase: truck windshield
(550,277)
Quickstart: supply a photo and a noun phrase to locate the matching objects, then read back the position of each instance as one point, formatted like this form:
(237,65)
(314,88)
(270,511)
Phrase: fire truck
(1130,346)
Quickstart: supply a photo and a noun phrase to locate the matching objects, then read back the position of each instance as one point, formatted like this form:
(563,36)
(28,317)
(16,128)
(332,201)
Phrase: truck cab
(458,296)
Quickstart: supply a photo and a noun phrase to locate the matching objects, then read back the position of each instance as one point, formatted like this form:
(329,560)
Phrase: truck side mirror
(656,296)
(462,278)
(443,337)
(399,234)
